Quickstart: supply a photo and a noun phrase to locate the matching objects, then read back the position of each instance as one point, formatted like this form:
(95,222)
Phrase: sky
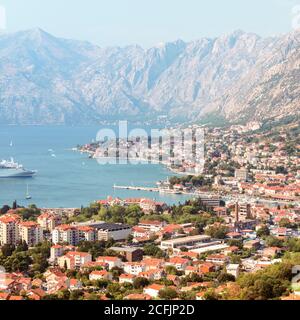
(149,22)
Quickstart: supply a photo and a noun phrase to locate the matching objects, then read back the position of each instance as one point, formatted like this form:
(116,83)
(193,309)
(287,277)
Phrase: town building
(31,233)
(65,234)
(130,254)
(242,175)
(74,260)
(117,232)
(191,241)
(49,221)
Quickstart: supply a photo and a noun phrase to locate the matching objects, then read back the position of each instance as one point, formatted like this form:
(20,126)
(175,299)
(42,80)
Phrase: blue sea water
(69,179)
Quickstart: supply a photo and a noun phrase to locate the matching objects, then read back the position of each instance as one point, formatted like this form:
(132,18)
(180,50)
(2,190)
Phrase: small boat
(28,196)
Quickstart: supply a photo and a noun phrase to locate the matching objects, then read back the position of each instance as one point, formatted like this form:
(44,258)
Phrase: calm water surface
(66,178)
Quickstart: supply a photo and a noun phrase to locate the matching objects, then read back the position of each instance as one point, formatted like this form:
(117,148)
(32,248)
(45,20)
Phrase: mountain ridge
(239,76)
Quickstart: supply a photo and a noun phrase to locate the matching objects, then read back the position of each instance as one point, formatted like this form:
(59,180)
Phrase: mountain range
(236,78)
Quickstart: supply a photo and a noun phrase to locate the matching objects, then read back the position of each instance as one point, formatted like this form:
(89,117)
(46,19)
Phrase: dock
(136,188)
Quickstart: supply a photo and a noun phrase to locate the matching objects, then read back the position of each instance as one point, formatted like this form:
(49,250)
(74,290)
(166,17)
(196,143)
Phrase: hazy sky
(147,22)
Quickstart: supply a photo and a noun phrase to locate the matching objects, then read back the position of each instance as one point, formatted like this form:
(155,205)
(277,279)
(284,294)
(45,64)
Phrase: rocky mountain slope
(238,77)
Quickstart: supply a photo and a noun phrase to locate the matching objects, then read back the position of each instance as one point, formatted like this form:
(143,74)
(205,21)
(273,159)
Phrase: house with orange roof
(218,259)
(172,228)
(153,263)
(153,290)
(147,275)
(100,275)
(49,221)
(207,267)
(191,255)
(75,284)
(74,260)
(8,285)
(175,279)
(4,296)
(230,250)
(271,252)
(112,262)
(24,283)
(139,232)
(126,278)
(38,283)
(141,240)
(138,297)
(190,270)
(148,205)
(154,226)
(36,294)
(200,296)
(179,263)
(234,235)
(153,274)
(55,280)
(134,268)
(16,298)
(194,286)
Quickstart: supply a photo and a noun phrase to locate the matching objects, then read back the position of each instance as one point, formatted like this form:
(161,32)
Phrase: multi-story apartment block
(9,229)
(65,234)
(74,260)
(49,221)
(86,233)
(134,268)
(56,251)
(30,232)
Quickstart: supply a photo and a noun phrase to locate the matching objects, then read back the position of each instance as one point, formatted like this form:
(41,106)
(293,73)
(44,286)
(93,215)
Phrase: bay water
(68,179)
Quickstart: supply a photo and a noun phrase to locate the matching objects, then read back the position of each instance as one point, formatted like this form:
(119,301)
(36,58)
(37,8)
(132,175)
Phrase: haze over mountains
(238,77)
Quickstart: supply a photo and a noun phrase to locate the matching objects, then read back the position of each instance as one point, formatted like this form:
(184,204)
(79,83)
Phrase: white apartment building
(74,260)
(134,268)
(49,221)
(56,251)
(13,230)
(31,233)
(114,231)
(86,233)
(65,234)
(112,262)
(8,230)
(192,241)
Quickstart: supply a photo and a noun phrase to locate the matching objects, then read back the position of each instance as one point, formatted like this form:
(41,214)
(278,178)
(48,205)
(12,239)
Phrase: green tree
(140,282)
(168,294)
(217,232)
(7,250)
(171,270)
(225,277)
(264,231)
(153,250)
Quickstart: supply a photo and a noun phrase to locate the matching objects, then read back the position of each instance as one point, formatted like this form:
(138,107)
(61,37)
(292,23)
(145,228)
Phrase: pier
(136,188)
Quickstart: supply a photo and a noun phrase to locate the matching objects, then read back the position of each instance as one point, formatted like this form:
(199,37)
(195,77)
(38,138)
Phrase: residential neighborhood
(236,238)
